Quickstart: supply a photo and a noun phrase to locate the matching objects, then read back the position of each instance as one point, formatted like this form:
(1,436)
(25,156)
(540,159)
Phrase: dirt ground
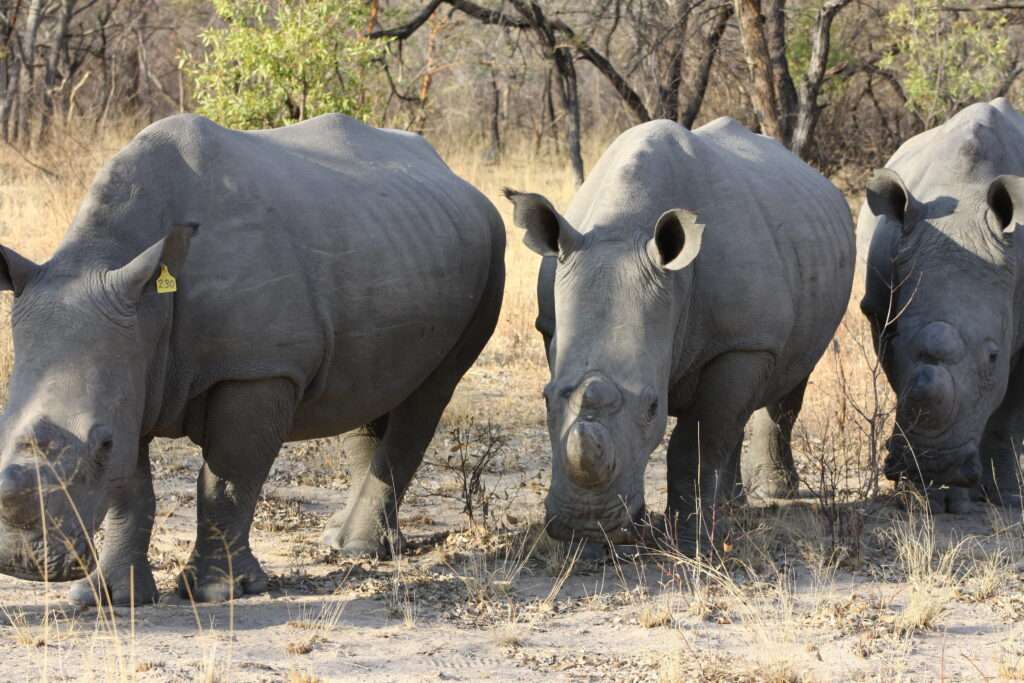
(470,604)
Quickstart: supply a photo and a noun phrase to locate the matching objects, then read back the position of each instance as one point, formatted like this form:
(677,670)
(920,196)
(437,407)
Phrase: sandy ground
(467,604)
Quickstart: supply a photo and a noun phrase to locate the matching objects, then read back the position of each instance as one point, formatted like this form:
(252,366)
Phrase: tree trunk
(494,151)
(58,49)
(7,107)
(571,101)
(785,92)
(703,73)
(759,64)
(667,106)
(28,56)
(565,69)
(809,109)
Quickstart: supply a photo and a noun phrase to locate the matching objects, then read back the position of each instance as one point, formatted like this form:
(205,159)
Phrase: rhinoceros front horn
(588,460)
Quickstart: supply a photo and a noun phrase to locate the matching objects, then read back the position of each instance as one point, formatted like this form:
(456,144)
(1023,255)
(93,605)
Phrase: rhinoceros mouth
(27,556)
(955,466)
(618,524)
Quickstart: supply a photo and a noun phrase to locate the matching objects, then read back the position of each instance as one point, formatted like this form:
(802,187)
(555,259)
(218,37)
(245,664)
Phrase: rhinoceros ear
(888,195)
(131,279)
(676,241)
(1006,201)
(15,271)
(547,232)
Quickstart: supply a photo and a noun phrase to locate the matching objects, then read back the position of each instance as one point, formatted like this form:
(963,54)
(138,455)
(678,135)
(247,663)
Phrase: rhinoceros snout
(929,401)
(589,461)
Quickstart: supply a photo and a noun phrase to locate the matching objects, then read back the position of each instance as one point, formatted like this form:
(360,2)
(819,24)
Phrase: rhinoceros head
(611,358)
(940,298)
(85,338)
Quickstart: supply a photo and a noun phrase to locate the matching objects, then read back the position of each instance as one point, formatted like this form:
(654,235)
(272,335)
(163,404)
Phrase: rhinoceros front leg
(123,575)
(768,469)
(1001,448)
(246,423)
(704,449)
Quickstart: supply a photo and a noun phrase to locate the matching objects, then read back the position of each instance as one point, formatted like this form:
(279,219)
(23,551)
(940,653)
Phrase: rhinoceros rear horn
(547,232)
(15,271)
(1006,200)
(888,195)
(676,241)
(131,279)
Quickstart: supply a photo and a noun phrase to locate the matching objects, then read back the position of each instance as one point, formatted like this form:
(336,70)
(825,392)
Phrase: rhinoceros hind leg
(246,423)
(393,448)
(343,531)
(123,575)
(768,469)
(368,526)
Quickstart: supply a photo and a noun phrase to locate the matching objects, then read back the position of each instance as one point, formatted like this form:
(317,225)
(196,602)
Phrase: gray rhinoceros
(944,293)
(341,277)
(696,274)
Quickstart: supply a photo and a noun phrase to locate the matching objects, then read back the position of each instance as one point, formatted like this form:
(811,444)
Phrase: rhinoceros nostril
(929,402)
(19,503)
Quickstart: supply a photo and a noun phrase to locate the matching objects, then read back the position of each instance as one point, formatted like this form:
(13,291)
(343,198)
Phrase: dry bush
(472,450)
(841,434)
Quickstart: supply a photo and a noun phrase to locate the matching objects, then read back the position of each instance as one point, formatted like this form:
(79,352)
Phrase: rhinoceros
(341,279)
(695,274)
(945,298)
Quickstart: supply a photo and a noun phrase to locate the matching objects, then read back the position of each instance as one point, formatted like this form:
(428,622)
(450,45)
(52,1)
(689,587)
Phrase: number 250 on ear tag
(165,282)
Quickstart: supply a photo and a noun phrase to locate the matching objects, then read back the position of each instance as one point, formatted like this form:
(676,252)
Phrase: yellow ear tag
(165,282)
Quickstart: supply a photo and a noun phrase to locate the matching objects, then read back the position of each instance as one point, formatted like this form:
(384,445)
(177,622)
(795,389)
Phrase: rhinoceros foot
(215,579)
(131,584)
(1010,498)
(375,545)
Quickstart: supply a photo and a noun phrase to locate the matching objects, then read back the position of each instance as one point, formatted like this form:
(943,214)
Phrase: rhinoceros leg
(123,575)
(246,423)
(368,526)
(703,452)
(768,469)
(1001,447)
(349,530)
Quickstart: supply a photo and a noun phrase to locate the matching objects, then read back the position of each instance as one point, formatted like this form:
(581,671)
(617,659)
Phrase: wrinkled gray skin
(944,296)
(696,274)
(342,277)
